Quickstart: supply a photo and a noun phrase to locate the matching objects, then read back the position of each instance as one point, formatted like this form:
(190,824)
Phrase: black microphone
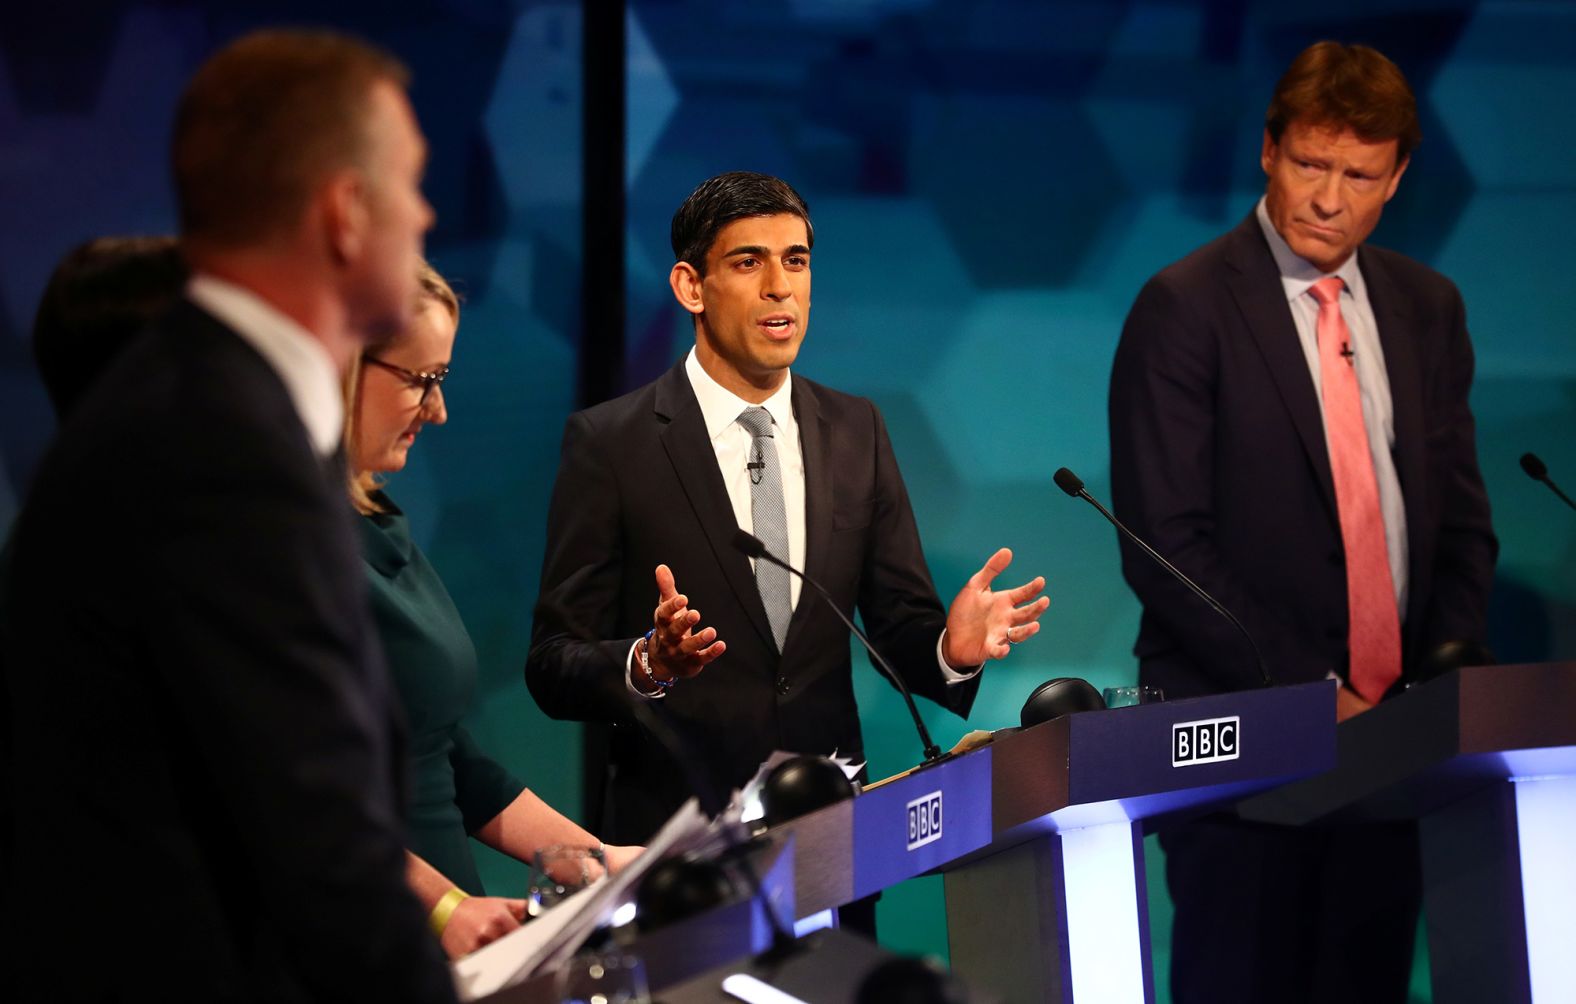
(752,547)
(1073,485)
(1538,472)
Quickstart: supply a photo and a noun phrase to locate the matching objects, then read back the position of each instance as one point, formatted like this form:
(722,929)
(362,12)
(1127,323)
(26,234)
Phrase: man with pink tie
(1290,427)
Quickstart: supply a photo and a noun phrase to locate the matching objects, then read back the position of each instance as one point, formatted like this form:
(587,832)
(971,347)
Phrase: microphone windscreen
(1061,696)
(1068,482)
(748,543)
(801,785)
(675,889)
(1533,466)
(1452,655)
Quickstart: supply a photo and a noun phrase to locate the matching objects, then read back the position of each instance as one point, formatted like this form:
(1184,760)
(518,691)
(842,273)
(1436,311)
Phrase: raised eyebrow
(798,249)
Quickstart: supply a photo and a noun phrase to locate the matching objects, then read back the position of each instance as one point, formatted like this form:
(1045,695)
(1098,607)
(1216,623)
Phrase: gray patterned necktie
(770,517)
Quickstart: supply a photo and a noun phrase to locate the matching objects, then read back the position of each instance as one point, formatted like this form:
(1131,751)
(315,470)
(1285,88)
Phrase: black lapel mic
(1073,485)
(751,547)
(1538,472)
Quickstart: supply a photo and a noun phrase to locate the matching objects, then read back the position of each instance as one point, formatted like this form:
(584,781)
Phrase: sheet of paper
(555,936)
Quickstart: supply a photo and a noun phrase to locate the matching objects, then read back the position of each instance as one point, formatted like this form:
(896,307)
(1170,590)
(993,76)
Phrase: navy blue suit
(207,758)
(638,485)
(1218,459)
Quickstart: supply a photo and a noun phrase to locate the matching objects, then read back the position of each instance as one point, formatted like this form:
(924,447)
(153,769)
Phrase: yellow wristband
(439,918)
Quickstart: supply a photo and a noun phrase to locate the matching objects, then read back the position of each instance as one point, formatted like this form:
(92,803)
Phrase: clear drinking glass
(560,871)
(1126,697)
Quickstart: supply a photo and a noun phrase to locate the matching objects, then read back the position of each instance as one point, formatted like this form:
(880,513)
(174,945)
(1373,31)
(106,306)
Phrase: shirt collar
(300,360)
(1297,273)
(721,407)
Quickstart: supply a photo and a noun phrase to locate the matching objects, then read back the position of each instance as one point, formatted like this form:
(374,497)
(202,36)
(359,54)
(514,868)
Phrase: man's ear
(1267,152)
(1395,179)
(342,203)
(687,283)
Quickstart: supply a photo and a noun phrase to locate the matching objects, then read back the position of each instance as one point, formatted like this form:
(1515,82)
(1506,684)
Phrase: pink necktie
(1373,633)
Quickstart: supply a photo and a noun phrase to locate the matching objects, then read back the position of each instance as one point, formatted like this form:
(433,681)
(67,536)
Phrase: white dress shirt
(1373,381)
(300,360)
(732,442)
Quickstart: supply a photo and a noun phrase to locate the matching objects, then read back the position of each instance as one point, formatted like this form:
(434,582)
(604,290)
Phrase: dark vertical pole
(602,73)
(602,68)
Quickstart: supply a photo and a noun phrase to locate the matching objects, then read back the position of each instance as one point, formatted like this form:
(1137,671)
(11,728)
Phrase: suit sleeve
(897,598)
(1466,546)
(1163,428)
(570,675)
(263,656)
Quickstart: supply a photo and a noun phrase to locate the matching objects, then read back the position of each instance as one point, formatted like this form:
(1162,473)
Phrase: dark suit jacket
(638,485)
(1218,459)
(207,761)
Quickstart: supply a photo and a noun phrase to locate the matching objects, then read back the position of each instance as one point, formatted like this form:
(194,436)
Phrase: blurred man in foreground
(206,756)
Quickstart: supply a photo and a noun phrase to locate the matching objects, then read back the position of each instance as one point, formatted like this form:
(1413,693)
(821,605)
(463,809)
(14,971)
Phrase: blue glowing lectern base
(1054,908)
(1484,759)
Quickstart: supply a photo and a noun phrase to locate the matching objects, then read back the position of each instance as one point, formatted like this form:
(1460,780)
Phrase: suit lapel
(1392,314)
(689,449)
(1256,285)
(815,440)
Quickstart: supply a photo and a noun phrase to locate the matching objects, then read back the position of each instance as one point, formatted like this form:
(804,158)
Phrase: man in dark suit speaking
(206,758)
(1290,426)
(651,490)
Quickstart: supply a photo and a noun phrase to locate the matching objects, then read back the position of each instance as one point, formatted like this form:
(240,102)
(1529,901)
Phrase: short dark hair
(728,197)
(263,121)
(1347,87)
(100,296)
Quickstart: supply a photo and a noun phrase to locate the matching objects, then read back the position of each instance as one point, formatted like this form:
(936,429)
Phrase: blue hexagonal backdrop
(991,181)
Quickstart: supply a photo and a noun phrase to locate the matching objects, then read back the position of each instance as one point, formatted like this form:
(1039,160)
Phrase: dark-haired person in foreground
(1290,427)
(652,488)
(100,297)
(207,755)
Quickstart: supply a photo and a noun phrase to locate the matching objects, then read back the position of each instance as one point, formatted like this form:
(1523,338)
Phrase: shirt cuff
(629,677)
(949,675)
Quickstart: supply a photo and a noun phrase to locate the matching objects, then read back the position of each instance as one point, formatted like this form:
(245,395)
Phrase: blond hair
(359,484)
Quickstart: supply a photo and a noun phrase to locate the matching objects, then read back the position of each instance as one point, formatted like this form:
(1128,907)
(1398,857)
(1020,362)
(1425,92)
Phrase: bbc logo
(1207,741)
(924,820)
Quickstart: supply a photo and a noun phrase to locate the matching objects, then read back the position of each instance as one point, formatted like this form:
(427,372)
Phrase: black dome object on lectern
(910,980)
(1058,697)
(675,889)
(801,785)
(1452,655)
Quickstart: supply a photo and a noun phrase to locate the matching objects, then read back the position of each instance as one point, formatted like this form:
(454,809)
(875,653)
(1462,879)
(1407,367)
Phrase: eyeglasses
(426,381)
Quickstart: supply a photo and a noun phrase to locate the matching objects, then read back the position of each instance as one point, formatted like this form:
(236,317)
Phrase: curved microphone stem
(676,746)
(752,546)
(1538,472)
(932,751)
(1074,487)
